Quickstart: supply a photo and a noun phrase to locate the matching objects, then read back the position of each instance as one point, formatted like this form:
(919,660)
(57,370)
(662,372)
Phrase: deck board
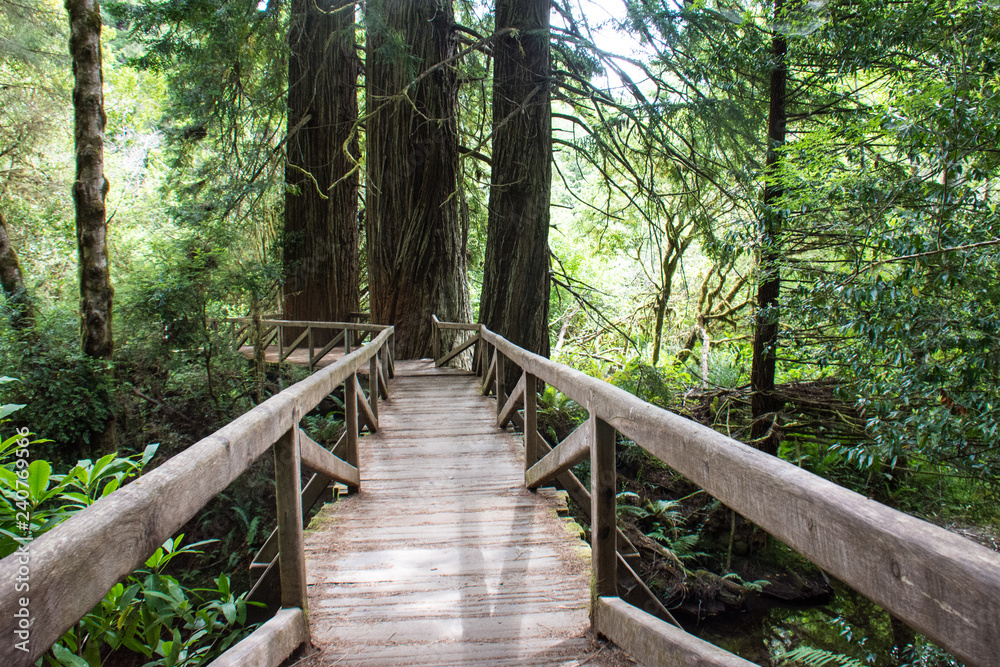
(444,558)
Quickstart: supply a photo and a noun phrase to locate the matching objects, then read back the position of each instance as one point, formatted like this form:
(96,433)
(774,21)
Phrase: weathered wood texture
(940,583)
(120,531)
(445,558)
(656,643)
(270,644)
(288,495)
(574,449)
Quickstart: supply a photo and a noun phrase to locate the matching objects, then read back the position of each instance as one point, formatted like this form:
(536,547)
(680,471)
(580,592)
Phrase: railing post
(373,385)
(501,396)
(531,453)
(603,512)
(435,341)
(281,349)
(288,490)
(351,421)
(384,352)
(309,332)
(347,341)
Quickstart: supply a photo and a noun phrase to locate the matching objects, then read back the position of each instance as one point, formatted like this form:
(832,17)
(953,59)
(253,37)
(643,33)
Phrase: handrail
(437,326)
(76,563)
(269,330)
(942,584)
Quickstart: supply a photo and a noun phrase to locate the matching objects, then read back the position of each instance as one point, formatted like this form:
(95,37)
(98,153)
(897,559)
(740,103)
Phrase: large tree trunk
(321,222)
(416,246)
(12,282)
(90,187)
(515,296)
(763,403)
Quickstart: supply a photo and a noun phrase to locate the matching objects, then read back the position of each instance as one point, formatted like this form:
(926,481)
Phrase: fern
(817,657)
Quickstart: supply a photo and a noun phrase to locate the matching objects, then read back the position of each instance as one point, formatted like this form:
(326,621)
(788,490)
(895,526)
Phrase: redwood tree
(416,241)
(321,204)
(515,296)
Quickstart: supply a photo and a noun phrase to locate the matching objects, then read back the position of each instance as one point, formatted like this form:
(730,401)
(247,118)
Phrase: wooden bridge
(445,551)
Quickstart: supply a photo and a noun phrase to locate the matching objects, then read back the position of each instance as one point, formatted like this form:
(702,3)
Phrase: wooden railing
(941,584)
(246,330)
(74,565)
(438,326)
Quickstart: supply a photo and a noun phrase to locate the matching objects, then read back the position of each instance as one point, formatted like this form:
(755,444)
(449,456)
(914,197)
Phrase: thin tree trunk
(90,189)
(415,244)
(12,282)
(669,268)
(763,403)
(515,296)
(321,203)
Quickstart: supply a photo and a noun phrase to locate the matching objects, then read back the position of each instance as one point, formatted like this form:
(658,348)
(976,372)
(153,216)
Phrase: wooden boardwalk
(444,558)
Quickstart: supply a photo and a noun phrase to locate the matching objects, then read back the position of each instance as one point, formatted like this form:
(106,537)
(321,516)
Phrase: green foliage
(815,657)
(68,395)
(151,613)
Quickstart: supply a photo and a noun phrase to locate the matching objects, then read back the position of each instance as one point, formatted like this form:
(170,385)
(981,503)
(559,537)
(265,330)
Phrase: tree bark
(321,201)
(763,403)
(415,244)
(91,188)
(12,282)
(515,295)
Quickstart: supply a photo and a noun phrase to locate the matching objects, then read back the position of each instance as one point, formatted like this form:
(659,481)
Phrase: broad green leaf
(9,409)
(38,478)
(67,657)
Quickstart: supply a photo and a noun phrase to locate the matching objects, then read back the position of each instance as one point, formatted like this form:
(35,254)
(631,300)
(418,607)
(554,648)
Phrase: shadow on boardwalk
(444,558)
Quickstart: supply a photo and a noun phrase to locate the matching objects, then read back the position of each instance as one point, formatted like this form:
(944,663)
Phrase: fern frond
(817,657)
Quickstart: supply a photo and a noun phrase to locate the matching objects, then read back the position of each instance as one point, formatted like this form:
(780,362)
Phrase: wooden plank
(314,359)
(446,558)
(288,497)
(270,644)
(352,326)
(530,428)
(373,390)
(581,496)
(512,404)
(637,593)
(458,326)
(351,423)
(321,460)
(603,513)
(314,489)
(656,643)
(365,411)
(457,351)
(282,355)
(268,336)
(941,584)
(498,382)
(571,451)
(488,379)
(383,386)
(266,590)
(435,338)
